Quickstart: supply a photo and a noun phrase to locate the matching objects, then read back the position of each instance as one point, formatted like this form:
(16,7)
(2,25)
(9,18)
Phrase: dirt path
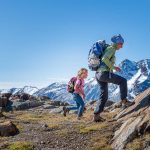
(53,131)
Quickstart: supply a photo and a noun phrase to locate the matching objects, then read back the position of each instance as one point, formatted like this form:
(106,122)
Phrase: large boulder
(8,129)
(135,121)
(7,95)
(3,102)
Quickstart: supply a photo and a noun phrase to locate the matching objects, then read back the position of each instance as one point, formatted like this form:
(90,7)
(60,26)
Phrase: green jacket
(108,59)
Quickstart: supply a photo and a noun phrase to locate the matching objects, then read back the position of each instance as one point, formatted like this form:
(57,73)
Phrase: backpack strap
(97,46)
(79,80)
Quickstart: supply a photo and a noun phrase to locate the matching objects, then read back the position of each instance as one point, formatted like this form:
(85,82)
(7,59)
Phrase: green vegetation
(21,146)
(93,127)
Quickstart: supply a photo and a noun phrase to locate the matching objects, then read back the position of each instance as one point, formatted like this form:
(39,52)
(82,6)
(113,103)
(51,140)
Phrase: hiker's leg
(122,82)
(74,107)
(78,105)
(115,79)
(103,97)
(81,105)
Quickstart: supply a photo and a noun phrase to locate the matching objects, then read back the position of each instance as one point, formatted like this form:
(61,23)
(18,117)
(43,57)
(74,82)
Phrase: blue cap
(117,39)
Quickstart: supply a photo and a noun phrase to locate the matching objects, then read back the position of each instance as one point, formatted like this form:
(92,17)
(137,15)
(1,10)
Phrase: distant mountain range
(26,89)
(137,74)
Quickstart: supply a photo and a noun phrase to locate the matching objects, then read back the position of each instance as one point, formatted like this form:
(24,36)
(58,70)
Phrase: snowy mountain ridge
(136,73)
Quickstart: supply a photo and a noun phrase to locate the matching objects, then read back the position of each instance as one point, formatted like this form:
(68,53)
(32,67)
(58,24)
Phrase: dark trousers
(103,78)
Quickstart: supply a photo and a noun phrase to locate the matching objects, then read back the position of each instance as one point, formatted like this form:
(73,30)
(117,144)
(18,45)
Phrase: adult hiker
(76,87)
(104,74)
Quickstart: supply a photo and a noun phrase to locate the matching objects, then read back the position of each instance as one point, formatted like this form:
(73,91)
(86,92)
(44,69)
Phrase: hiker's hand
(117,69)
(83,96)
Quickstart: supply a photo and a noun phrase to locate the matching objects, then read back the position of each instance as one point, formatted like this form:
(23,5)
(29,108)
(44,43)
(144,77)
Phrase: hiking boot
(98,118)
(84,109)
(126,103)
(65,110)
(79,118)
(118,105)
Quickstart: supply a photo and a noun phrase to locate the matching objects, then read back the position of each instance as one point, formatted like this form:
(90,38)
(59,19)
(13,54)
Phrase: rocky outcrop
(17,105)
(58,103)
(3,102)
(22,101)
(7,95)
(135,121)
(4,99)
(44,98)
(25,96)
(22,96)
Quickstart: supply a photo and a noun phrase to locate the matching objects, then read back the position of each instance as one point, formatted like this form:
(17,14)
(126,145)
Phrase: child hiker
(76,87)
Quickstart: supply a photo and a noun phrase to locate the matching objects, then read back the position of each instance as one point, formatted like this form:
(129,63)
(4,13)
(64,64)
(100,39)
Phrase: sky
(42,41)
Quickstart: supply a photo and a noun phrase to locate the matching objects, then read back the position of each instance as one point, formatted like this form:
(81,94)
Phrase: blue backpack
(95,54)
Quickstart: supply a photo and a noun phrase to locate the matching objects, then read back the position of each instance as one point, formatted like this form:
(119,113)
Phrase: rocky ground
(45,128)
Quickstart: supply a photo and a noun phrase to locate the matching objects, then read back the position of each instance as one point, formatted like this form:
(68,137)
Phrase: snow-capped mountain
(137,74)
(26,89)
(56,91)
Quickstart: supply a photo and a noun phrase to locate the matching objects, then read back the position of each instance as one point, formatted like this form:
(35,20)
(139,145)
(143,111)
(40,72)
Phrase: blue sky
(47,40)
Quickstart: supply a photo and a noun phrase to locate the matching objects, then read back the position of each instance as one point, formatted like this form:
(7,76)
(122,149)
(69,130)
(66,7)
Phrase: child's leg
(81,105)
(74,107)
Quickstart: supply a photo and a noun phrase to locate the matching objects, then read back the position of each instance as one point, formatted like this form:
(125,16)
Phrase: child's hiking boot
(65,110)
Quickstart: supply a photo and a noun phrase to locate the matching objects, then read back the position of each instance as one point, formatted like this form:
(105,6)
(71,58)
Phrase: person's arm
(79,89)
(106,57)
